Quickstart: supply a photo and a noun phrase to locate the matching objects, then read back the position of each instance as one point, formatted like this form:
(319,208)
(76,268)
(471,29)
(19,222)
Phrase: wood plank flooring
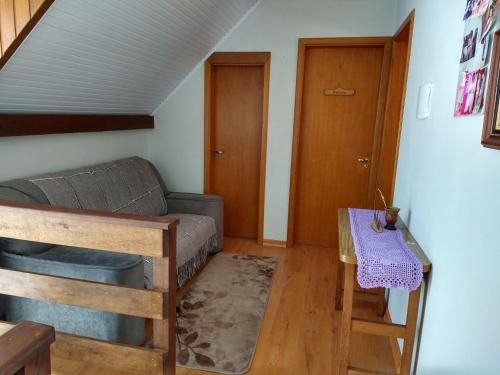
(299,335)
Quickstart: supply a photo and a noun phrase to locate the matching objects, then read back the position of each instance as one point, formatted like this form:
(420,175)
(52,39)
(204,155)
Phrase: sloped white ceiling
(113,56)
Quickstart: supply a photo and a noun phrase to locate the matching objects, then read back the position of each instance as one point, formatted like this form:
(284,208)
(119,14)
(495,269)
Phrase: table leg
(340,282)
(411,325)
(345,329)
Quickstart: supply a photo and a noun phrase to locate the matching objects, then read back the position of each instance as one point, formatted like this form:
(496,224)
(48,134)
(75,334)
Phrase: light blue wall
(26,156)
(448,188)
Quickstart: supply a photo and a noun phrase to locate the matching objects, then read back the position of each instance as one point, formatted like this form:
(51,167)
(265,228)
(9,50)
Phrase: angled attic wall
(51,73)
(26,156)
(112,56)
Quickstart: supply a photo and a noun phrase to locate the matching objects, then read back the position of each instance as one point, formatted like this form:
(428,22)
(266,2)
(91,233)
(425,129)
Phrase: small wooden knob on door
(364,162)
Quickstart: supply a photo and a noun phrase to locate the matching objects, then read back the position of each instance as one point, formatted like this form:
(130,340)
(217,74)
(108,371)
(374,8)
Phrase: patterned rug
(219,319)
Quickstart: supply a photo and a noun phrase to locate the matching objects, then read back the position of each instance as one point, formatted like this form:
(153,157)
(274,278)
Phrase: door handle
(218,152)
(364,162)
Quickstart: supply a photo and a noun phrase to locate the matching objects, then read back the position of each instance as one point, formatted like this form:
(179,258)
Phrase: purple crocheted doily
(384,259)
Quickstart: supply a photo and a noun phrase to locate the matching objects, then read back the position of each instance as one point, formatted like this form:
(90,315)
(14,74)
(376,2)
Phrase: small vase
(391,217)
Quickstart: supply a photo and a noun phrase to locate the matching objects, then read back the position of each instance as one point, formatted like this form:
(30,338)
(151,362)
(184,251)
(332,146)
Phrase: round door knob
(218,152)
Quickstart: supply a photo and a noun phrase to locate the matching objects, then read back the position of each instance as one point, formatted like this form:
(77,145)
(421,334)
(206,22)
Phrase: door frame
(393,125)
(396,100)
(304,43)
(262,59)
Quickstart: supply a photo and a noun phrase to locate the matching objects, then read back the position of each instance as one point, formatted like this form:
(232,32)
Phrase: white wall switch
(424,101)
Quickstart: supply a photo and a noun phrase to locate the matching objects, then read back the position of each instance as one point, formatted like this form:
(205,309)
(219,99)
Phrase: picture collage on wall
(480,17)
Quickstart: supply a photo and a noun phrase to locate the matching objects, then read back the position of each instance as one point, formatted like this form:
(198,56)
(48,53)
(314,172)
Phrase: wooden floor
(300,331)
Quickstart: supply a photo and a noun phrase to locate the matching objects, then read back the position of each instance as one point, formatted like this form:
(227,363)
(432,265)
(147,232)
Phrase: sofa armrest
(199,204)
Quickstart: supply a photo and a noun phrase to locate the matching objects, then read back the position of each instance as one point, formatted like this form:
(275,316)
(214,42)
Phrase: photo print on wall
(480,90)
(469,46)
(470,93)
(489,19)
(474,8)
(480,18)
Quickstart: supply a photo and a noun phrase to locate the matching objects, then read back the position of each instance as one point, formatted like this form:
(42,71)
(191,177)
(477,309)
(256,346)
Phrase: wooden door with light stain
(338,122)
(235,162)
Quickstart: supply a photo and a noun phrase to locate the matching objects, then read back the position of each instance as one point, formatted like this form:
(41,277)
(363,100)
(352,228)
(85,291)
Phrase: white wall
(275,26)
(447,187)
(25,156)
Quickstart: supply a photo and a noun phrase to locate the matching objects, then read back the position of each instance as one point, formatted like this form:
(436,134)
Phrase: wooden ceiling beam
(19,125)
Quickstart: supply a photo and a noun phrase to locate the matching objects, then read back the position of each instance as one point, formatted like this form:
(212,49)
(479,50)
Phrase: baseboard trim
(393,341)
(274,243)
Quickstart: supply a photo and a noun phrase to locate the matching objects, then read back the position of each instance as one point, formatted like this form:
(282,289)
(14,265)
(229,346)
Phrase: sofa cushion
(22,191)
(85,264)
(196,238)
(122,186)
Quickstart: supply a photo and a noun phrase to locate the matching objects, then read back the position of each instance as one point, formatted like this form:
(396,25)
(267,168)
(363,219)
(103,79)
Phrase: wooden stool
(347,268)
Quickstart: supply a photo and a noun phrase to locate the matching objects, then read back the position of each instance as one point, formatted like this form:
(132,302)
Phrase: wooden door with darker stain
(336,138)
(237,105)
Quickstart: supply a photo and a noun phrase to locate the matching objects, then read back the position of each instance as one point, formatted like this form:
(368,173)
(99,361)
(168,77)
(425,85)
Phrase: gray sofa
(130,185)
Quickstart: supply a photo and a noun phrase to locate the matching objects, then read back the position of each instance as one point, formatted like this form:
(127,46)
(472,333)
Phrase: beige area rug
(219,319)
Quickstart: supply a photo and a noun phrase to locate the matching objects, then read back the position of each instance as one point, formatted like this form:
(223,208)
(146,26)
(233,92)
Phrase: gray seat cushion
(111,268)
(196,238)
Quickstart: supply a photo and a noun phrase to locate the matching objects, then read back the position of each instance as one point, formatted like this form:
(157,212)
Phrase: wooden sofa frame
(124,233)
(26,349)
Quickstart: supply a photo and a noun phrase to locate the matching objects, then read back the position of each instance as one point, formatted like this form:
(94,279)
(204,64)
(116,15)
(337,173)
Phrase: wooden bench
(131,234)
(25,349)
(346,275)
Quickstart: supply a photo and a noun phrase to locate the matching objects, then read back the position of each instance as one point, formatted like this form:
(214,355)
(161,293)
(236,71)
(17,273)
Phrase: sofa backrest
(160,179)
(123,186)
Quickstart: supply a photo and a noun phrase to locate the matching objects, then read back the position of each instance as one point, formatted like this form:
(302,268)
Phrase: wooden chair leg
(411,326)
(340,281)
(345,330)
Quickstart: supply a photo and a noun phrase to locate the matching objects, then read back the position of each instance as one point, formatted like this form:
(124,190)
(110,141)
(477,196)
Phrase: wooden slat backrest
(112,298)
(124,233)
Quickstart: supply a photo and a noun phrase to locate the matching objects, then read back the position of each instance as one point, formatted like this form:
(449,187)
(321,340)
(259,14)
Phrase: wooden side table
(25,349)
(349,324)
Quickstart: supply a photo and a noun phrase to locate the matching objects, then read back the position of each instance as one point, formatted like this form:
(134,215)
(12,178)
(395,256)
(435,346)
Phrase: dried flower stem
(383,198)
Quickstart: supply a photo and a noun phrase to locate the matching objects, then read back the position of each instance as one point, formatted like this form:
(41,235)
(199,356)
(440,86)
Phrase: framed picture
(491,127)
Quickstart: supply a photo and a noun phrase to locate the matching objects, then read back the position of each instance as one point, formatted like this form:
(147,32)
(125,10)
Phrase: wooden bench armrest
(22,344)
(92,229)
